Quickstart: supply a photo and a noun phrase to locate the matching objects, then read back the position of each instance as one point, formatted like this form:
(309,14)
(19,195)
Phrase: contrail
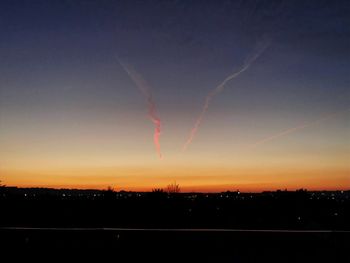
(152,111)
(218,89)
(296,128)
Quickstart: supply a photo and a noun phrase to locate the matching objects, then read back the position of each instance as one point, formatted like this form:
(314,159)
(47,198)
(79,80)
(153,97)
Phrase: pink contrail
(152,111)
(218,89)
(296,128)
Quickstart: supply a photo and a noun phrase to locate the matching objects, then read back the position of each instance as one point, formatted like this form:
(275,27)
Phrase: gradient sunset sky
(70,115)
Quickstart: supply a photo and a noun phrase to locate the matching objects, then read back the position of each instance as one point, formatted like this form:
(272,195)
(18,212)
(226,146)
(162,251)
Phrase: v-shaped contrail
(143,86)
(218,89)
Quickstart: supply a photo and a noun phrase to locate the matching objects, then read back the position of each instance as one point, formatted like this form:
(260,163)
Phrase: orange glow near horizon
(211,179)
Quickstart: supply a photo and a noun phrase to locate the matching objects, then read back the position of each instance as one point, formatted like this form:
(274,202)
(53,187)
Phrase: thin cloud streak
(143,86)
(218,89)
(296,128)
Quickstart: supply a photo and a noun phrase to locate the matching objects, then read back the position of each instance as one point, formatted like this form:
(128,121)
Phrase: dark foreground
(172,246)
(301,210)
(50,225)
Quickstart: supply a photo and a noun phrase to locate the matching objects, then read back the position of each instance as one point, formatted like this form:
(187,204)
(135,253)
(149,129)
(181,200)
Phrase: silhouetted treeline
(40,207)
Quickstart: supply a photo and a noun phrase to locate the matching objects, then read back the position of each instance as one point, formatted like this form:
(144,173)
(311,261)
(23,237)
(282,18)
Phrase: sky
(72,115)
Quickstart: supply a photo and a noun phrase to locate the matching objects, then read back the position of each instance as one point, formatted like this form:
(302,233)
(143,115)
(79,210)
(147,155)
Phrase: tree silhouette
(109,193)
(110,189)
(173,188)
(157,190)
(158,193)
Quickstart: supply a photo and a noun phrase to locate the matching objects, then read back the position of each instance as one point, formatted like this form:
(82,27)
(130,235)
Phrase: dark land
(283,226)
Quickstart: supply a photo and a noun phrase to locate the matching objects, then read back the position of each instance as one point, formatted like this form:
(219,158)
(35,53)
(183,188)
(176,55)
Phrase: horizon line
(181,192)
